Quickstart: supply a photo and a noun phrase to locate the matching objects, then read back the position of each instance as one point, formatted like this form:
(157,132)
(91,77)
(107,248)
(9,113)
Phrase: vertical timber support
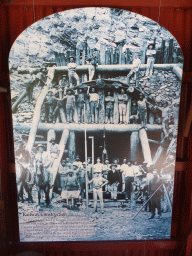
(36,117)
(116,108)
(102,53)
(72,146)
(57,161)
(144,52)
(134,144)
(145,146)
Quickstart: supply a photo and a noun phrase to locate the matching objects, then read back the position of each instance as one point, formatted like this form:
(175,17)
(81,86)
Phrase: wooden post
(120,47)
(57,59)
(145,146)
(116,56)
(170,53)
(157,154)
(62,115)
(116,108)
(77,56)
(67,56)
(62,145)
(36,117)
(111,52)
(63,60)
(128,59)
(162,51)
(72,146)
(166,53)
(144,52)
(102,53)
(83,54)
(101,117)
(86,177)
(134,144)
(107,57)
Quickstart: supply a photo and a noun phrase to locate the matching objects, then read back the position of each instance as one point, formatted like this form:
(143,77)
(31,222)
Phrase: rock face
(66,31)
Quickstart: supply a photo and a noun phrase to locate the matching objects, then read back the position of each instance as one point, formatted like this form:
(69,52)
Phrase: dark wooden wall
(175,16)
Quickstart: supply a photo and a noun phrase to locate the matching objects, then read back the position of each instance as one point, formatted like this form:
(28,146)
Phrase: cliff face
(69,30)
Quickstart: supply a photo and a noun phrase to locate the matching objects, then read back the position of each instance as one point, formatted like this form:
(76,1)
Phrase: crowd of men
(129,178)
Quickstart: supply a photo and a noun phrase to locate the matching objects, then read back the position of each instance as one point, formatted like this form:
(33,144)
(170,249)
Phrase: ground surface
(57,223)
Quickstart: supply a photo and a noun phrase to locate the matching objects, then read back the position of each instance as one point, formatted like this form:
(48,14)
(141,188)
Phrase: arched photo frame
(95,84)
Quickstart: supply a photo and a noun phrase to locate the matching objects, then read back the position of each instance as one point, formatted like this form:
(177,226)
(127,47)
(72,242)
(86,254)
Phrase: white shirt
(98,167)
(94,96)
(128,171)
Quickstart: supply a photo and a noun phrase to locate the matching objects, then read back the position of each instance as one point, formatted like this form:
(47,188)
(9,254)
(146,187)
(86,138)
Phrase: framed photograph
(95,101)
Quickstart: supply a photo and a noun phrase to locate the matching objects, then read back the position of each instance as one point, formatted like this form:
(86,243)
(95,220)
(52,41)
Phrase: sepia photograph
(95,96)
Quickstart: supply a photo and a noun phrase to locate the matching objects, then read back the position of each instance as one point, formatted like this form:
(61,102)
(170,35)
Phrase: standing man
(151,53)
(34,80)
(70,106)
(109,108)
(154,184)
(93,62)
(94,105)
(63,84)
(63,174)
(165,118)
(98,167)
(142,110)
(122,100)
(98,182)
(135,67)
(129,178)
(134,113)
(72,71)
(114,180)
(50,105)
(80,105)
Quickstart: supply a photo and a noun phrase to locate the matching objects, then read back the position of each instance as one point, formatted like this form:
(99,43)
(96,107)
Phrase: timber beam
(118,128)
(103,68)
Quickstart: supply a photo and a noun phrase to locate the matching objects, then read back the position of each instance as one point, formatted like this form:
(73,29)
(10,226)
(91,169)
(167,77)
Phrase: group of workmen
(129,178)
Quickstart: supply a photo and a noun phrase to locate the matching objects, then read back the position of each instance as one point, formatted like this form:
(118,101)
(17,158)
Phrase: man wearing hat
(98,182)
(50,105)
(109,108)
(70,106)
(34,80)
(72,71)
(142,110)
(150,53)
(42,160)
(63,84)
(92,62)
(113,178)
(51,76)
(134,113)
(129,178)
(94,105)
(77,162)
(154,184)
(98,167)
(122,101)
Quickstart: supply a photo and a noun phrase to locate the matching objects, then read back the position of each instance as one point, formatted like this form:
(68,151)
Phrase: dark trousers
(128,186)
(155,203)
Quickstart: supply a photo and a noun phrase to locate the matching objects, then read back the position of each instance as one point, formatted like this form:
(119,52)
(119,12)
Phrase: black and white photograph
(95,96)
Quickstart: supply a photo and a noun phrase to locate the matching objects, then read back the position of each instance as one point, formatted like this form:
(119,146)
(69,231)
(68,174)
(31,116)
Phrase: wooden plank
(144,52)
(128,58)
(134,145)
(58,127)
(63,60)
(101,106)
(72,146)
(145,146)
(170,53)
(120,47)
(36,118)
(19,99)
(102,53)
